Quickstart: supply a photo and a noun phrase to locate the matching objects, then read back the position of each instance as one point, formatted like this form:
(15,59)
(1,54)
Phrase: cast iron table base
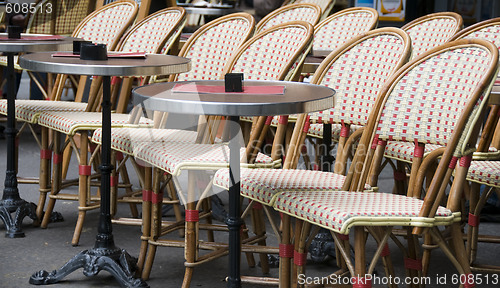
(11,201)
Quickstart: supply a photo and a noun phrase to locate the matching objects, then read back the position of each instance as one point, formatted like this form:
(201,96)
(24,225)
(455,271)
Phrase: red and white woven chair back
(358,71)
(342,26)
(294,12)
(271,54)
(488,30)
(154,32)
(58,17)
(325,5)
(107,25)
(432,30)
(429,96)
(213,44)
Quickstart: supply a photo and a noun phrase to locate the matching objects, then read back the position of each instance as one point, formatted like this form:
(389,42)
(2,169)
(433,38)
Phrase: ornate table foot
(117,262)
(322,246)
(22,209)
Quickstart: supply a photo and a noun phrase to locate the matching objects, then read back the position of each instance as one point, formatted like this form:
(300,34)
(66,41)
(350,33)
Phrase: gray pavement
(50,248)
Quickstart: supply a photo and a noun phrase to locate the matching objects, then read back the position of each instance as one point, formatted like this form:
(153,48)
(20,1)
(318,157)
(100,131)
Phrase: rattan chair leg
(285,265)
(359,252)
(83,187)
(146,217)
(155,224)
(191,236)
(56,178)
(44,176)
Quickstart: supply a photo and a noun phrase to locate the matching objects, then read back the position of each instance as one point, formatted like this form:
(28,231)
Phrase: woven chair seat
(262,185)
(485,172)
(125,139)
(3,62)
(29,110)
(173,157)
(341,210)
(70,122)
(403,151)
(316,130)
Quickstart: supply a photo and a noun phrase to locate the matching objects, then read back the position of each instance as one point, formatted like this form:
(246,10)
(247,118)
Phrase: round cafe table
(104,255)
(11,201)
(209,98)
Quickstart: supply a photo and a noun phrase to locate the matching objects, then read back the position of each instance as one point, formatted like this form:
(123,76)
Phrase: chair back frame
(417,43)
(461,139)
(273,16)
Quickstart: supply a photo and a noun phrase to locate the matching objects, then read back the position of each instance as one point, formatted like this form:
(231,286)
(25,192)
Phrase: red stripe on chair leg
(418,152)
(385,251)
(85,170)
(115,80)
(192,215)
(413,264)
(57,158)
(473,220)
(156,198)
(283,119)
(257,206)
(399,176)
(465,161)
(375,142)
(469,280)
(343,236)
(286,250)
(361,282)
(307,125)
(119,156)
(453,162)
(147,195)
(344,130)
(269,120)
(113,181)
(299,259)
(45,154)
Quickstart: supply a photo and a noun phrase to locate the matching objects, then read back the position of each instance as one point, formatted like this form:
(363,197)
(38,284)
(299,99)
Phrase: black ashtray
(233,82)
(89,51)
(77,46)
(14,31)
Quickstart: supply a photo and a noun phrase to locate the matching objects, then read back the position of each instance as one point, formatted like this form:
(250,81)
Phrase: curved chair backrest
(488,30)
(325,5)
(437,99)
(271,54)
(357,71)
(294,12)
(342,26)
(213,44)
(432,30)
(155,32)
(108,24)
(58,17)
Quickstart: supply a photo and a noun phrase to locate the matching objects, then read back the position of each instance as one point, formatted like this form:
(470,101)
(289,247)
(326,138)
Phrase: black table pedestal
(11,201)
(105,255)
(234,220)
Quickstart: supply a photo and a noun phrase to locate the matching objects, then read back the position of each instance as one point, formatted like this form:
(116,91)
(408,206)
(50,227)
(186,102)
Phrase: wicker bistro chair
(325,5)
(294,12)
(432,30)
(454,126)
(206,64)
(403,152)
(388,49)
(164,24)
(120,15)
(283,44)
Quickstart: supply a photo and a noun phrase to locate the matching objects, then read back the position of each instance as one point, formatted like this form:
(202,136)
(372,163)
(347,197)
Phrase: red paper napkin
(206,89)
(110,55)
(34,38)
